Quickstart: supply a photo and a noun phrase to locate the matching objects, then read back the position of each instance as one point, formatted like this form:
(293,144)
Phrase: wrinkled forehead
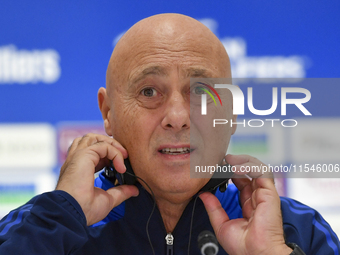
(190,47)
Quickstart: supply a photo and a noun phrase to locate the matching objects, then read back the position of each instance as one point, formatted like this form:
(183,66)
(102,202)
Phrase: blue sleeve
(51,223)
(116,213)
(230,201)
(306,227)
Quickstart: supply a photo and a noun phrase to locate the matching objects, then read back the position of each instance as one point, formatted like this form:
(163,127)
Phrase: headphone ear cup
(219,180)
(110,174)
(129,176)
(126,178)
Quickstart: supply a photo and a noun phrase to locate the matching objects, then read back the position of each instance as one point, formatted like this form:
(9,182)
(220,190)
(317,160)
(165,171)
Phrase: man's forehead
(194,71)
(190,48)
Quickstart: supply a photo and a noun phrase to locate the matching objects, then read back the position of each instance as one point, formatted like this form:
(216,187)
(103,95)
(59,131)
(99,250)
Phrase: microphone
(207,243)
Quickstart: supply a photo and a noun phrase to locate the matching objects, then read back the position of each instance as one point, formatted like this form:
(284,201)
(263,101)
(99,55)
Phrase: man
(146,108)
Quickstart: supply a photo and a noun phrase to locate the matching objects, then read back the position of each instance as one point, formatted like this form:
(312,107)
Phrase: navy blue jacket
(53,223)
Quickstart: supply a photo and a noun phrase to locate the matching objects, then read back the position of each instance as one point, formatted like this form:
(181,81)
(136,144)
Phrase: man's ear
(105,109)
(233,130)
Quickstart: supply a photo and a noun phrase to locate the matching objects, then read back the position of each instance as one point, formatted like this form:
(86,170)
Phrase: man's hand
(86,156)
(260,230)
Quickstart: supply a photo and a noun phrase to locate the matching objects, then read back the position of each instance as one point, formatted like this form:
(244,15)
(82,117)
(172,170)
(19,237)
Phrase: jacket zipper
(169,244)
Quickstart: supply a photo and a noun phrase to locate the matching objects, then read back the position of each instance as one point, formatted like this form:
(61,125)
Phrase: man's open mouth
(175,151)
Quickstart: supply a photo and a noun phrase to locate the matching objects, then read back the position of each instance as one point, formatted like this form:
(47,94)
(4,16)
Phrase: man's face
(150,111)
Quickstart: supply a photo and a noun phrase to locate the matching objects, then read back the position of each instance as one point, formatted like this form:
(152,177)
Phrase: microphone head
(207,243)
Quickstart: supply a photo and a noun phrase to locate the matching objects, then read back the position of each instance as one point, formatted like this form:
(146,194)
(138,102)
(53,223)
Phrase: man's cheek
(130,107)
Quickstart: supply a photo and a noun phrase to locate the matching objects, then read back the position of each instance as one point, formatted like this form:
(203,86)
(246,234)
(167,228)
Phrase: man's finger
(241,183)
(105,150)
(102,163)
(266,183)
(241,159)
(252,170)
(90,139)
(73,146)
(217,214)
(104,201)
(244,186)
(122,193)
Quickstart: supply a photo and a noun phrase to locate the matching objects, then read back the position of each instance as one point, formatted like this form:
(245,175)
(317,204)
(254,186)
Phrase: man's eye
(149,92)
(199,90)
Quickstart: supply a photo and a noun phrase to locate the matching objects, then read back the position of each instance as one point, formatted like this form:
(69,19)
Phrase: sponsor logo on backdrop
(28,66)
(27,182)
(27,146)
(316,140)
(68,132)
(244,66)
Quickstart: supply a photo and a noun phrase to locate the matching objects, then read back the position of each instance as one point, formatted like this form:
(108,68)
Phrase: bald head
(146,105)
(165,33)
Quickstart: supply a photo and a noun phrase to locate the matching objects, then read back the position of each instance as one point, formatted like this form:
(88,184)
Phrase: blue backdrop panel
(71,42)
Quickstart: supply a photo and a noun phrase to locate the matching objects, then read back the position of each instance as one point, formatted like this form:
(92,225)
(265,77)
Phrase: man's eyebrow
(158,70)
(147,71)
(198,72)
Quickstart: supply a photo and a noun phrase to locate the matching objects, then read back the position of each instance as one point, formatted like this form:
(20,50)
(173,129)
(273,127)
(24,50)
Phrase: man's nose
(177,115)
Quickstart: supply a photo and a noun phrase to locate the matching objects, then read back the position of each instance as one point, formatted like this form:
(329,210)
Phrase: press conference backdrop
(53,59)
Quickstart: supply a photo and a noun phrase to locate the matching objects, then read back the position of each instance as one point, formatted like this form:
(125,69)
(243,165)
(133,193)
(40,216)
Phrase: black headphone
(218,180)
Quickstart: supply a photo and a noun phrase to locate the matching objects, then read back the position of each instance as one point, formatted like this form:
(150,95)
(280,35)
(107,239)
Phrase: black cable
(153,209)
(192,219)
